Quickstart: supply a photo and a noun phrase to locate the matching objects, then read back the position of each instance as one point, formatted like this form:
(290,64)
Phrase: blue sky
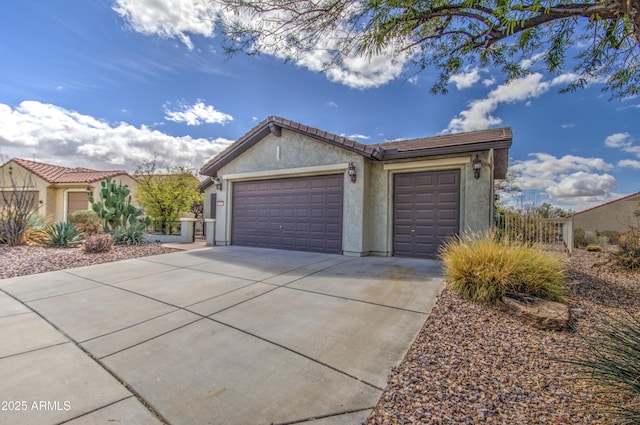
(105,84)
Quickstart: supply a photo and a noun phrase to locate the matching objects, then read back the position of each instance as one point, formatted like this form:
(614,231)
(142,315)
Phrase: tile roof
(499,139)
(58,174)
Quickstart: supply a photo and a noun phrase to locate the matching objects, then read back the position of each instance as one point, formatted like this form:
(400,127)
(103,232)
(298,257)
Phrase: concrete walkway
(222,335)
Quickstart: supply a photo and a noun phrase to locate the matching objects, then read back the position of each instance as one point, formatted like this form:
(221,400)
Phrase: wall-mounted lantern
(216,181)
(351,171)
(477,166)
(89,191)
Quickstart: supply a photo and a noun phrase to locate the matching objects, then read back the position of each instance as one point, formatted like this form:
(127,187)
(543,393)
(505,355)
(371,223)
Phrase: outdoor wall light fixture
(217,182)
(89,191)
(477,166)
(351,170)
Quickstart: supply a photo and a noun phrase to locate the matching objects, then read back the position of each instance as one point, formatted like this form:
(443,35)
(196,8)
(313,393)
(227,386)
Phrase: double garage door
(305,213)
(302,213)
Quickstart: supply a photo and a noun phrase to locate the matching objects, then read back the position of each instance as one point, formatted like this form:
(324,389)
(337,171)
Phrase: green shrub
(582,238)
(613,236)
(86,221)
(132,235)
(63,235)
(594,248)
(482,268)
(612,359)
(628,254)
(98,243)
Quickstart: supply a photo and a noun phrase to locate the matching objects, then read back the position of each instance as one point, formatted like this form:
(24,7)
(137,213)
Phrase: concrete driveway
(223,335)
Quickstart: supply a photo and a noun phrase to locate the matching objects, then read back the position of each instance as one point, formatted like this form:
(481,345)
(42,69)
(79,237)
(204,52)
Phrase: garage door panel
(302,213)
(426,211)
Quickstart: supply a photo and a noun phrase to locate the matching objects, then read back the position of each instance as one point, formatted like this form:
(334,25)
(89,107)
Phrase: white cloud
(196,114)
(357,137)
(65,137)
(172,19)
(618,140)
(180,18)
(332,104)
(632,163)
(488,82)
(567,125)
(479,117)
(413,80)
(565,177)
(479,114)
(466,79)
(582,184)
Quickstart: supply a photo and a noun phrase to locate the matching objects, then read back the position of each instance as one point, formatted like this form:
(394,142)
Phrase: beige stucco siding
(368,203)
(24,179)
(294,155)
(616,215)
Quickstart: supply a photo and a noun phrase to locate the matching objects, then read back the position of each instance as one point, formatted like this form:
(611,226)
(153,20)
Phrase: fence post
(187,226)
(210,230)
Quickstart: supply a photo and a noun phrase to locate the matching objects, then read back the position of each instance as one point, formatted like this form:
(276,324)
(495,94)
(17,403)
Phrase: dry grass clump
(483,268)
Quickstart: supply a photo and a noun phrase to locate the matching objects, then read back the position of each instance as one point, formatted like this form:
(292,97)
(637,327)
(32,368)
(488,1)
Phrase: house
(615,215)
(57,191)
(287,185)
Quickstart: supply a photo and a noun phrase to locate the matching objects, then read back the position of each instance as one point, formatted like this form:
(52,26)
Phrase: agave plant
(63,235)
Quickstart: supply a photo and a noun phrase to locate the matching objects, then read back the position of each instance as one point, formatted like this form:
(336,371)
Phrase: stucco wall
(368,203)
(476,208)
(294,153)
(612,216)
(28,180)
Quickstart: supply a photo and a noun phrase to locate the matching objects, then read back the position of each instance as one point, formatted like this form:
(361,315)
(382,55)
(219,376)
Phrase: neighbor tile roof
(499,139)
(58,174)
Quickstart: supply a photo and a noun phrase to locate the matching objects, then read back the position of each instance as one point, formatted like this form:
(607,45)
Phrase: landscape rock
(542,314)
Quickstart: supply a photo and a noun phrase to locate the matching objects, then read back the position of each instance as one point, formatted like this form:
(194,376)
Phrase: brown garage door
(302,213)
(426,211)
(77,201)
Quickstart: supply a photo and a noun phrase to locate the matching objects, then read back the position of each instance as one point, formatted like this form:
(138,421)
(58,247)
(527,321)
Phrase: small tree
(165,197)
(17,206)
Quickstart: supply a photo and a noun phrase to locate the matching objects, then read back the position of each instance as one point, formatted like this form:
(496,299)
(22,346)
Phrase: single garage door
(426,211)
(302,213)
(77,201)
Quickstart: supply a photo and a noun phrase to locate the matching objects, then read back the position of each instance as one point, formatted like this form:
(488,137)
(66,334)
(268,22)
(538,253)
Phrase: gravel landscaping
(471,363)
(474,364)
(23,260)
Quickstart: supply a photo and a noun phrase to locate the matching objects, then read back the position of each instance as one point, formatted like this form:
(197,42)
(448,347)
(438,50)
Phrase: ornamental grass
(484,268)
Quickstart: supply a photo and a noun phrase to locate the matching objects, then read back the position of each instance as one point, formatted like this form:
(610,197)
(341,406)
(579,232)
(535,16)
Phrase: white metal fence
(554,234)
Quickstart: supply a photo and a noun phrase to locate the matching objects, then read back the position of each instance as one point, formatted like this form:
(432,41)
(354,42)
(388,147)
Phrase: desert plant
(613,236)
(628,253)
(36,232)
(612,359)
(63,235)
(98,243)
(593,248)
(582,238)
(86,221)
(132,235)
(17,205)
(114,208)
(481,267)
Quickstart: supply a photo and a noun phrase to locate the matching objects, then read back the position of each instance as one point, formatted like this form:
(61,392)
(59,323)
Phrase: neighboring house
(287,185)
(615,215)
(58,191)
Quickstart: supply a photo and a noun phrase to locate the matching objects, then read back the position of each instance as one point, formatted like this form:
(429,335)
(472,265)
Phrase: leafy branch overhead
(603,37)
